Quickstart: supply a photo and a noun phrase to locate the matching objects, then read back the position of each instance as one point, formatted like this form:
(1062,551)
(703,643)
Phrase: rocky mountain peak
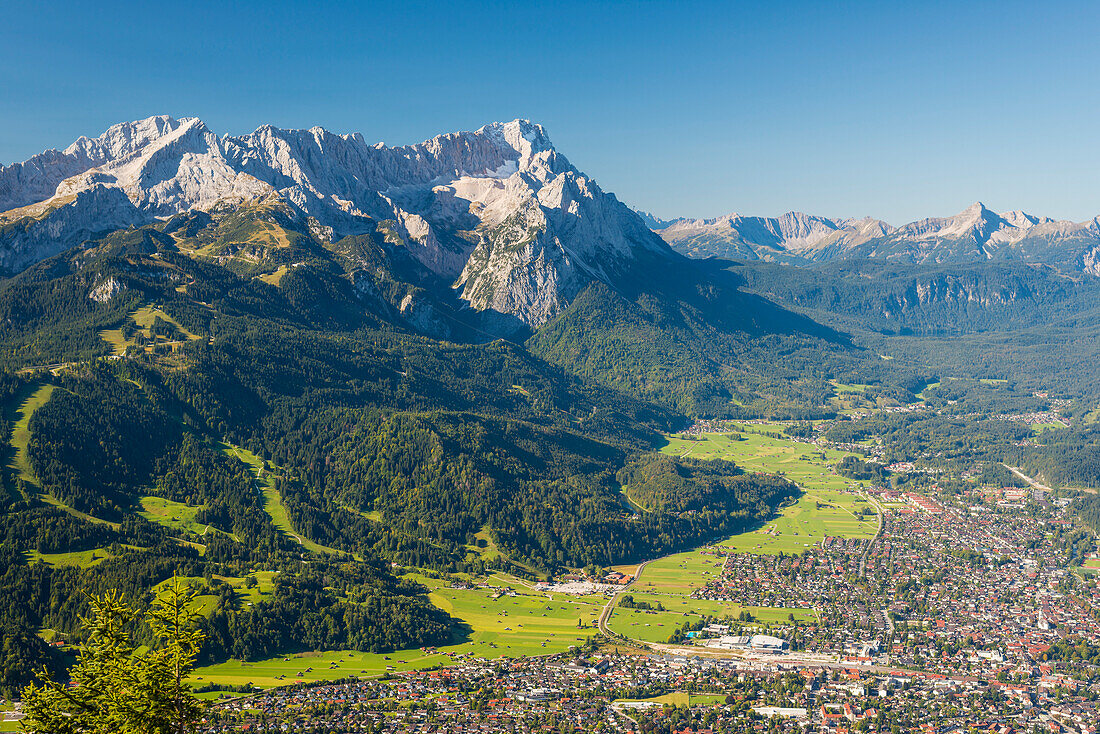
(497,211)
(975,234)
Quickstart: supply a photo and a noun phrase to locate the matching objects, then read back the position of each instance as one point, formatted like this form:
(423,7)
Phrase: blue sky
(896,110)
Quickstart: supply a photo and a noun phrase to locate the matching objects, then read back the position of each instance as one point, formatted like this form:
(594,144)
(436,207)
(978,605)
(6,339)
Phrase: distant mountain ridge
(974,235)
(496,212)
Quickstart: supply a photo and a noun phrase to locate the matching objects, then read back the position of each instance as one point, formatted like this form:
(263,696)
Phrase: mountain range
(498,213)
(496,220)
(975,234)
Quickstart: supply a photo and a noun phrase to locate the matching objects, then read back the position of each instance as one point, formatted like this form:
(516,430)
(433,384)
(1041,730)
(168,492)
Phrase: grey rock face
(30,236)
(497,211)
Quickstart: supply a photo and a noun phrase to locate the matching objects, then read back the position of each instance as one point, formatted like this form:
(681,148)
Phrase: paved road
(867,550)
(601,623)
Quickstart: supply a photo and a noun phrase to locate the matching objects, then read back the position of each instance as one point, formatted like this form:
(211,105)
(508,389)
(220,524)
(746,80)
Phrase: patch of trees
(627,601)
(855,468)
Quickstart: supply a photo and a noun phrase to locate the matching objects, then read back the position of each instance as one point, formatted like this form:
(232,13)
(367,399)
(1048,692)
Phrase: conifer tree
(116,689)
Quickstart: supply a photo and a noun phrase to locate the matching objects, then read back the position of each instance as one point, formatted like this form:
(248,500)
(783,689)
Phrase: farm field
(825,507)
(680,574)
(650,626)
(530,623)
(802,463)
(283,670)
(805,523)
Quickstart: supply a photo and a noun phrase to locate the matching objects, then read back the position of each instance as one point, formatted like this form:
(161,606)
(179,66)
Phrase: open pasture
(681,573)
(805,523)
(804,464)
(529,623)
(173,515)
(77,559)
(825,508)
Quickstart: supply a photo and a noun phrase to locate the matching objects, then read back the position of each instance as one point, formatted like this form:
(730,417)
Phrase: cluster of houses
(625,693)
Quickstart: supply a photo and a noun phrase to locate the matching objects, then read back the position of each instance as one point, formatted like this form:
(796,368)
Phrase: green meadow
(826,507)
(529,623)
(173,515)
(35,398)
(273,503)
(799,462)
(650,626)
(79,559)
(206,603)
(681,573)
(805,523)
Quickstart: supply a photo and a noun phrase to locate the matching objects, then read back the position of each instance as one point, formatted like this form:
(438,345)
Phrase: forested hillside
(177,402)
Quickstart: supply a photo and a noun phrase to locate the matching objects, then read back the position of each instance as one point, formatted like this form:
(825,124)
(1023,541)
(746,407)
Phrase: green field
(805,523)
(262,591)
(174,515)
(283,670)
(850,398)
(37,396)
(681,573)
(650,626)
(80,559)
(826,507)
(530,623)
(799,462)
(273,503)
